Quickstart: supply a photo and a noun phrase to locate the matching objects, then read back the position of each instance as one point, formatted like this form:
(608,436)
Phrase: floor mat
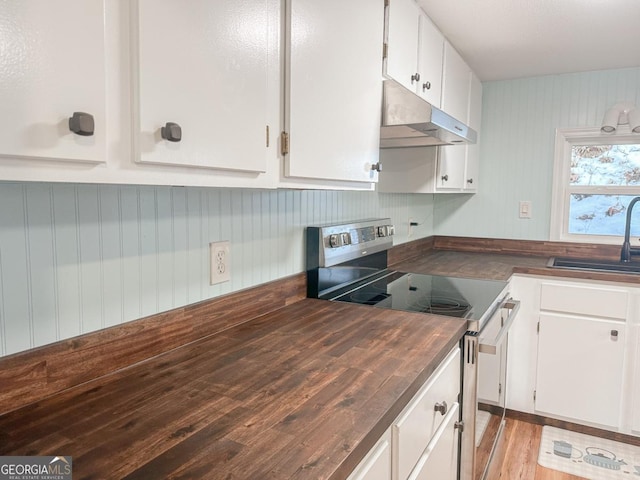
(586,456)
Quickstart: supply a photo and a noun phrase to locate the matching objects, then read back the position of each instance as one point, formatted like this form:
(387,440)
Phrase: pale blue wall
(78,258)
(519,118)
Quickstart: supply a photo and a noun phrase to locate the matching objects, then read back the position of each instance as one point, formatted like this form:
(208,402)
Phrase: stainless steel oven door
(484,382)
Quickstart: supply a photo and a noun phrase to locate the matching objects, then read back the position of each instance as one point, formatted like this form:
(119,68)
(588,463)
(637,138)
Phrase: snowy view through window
(606,166)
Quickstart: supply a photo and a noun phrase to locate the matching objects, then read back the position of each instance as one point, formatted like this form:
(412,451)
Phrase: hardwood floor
(521,457)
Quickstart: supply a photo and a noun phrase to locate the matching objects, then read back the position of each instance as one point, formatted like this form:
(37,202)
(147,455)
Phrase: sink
(595,265)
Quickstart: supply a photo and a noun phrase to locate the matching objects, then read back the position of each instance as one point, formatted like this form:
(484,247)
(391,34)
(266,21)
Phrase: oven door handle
(492,347)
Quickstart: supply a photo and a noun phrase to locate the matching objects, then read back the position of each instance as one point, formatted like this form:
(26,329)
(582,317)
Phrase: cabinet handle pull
(82,123)
(614,334)
(415,77)
(426,86)
(445,178)
(459,426)
(171,132)
(469,180)
(441,407)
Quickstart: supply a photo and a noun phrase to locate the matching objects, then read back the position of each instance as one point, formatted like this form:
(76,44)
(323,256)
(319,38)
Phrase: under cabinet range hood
(410,121)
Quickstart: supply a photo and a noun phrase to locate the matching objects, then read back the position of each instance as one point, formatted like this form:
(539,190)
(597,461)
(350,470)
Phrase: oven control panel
(334,244)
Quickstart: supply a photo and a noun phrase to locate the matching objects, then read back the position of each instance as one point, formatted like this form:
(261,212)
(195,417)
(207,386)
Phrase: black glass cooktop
(451,296)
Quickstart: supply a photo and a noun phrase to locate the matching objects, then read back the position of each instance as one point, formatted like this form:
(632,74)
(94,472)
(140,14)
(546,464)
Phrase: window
(596,176)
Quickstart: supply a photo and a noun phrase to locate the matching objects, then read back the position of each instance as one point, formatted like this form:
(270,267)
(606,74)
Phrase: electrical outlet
(220,262)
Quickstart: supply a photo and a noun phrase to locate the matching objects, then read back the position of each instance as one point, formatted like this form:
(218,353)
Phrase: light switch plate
(525,209)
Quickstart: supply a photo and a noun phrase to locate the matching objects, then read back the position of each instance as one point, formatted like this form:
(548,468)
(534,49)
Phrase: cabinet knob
(172,132)
(415,77)
(440,407)
(445,178)
(469,180)
(376,167)
(81,123)
(614,334)
(426,86)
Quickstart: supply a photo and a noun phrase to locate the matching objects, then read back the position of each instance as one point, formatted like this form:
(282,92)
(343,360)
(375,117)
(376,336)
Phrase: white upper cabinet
(402,40)
(333,89)
(475,121)
(201,78)
(455,84)
(458,165)
(52,64)
(414,49)
(430,51)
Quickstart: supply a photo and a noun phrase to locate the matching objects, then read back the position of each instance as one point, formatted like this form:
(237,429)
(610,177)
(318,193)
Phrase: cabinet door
(475,122)
(203,66)
(419,423)
(377,464)
(430,51)
(580,366)
(635,386)
(52,65)
(439,461)
(334,89)
(456,80)
(450,175)
(402,42)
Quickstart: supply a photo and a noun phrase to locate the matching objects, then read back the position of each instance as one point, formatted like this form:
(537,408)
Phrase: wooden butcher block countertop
(301,392)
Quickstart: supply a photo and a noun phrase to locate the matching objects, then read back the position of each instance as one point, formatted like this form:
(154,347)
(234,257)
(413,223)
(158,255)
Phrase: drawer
(377,464)
(419,421)
(584,300)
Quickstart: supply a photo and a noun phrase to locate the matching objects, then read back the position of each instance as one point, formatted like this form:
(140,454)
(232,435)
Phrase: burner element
(442,305)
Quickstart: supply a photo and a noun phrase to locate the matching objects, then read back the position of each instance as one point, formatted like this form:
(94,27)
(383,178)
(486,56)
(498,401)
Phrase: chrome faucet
(627,249)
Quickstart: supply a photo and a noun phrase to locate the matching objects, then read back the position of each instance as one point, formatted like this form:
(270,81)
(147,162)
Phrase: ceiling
(506,39)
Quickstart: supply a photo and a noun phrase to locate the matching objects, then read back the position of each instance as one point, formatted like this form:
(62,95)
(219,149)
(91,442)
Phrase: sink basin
(595,265)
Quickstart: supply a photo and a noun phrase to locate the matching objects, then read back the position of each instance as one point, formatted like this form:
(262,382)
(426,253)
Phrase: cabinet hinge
(534,395)
(284,143)
(500,389)
(267,133)
(538,328)
(385,49)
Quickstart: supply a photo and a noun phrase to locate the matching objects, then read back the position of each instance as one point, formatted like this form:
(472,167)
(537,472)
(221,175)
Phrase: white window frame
(565,139)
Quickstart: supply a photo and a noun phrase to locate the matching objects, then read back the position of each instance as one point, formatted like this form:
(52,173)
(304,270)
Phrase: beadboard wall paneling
(78,258)
(519,118)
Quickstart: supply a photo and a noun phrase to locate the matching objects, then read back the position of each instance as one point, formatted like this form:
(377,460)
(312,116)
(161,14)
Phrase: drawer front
(377,464)
(439,461)
(415,427)
(584,300)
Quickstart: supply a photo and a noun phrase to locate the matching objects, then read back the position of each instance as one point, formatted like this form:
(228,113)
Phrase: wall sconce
(624,113)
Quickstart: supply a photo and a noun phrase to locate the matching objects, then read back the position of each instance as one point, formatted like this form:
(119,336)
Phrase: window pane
(601,214)
(605,165)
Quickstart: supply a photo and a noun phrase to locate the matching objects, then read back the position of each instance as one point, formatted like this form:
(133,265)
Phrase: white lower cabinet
(580,367)
(424,426)
(439,459)
(573,354)
(635,399)
(422,442)
(377,464)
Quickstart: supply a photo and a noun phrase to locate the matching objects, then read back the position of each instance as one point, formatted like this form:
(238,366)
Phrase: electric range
(348,263)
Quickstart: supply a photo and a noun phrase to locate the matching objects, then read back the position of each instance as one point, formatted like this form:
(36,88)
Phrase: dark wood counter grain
(301,392)
(497,259)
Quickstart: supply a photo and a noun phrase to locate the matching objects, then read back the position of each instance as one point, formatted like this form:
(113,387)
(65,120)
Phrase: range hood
(410,121)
